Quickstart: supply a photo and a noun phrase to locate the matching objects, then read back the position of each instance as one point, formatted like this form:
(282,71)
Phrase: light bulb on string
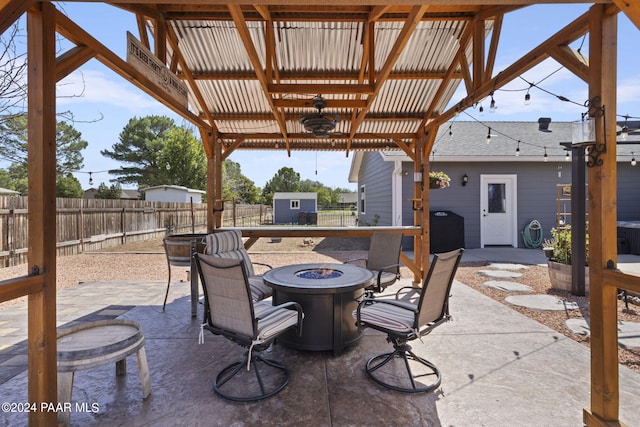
(567,157)
(518,149)
(450,132)
(633,159)
(489,136)
(624,133)
(90,178)
(527,98)
(492,105)
(481,110)
(545,154)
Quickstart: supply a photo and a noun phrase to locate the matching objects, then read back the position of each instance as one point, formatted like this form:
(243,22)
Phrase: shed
(7,192)
(288,207)
(172,193)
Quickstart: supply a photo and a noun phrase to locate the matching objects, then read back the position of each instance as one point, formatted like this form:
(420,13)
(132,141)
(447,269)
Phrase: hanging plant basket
(438,180)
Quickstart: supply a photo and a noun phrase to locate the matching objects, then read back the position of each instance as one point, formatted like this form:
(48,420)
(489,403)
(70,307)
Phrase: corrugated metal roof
(318,51)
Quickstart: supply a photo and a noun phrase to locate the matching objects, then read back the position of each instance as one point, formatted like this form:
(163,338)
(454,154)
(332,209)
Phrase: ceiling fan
(320,124)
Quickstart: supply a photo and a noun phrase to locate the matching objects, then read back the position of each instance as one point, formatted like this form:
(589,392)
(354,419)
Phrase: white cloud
(108,90)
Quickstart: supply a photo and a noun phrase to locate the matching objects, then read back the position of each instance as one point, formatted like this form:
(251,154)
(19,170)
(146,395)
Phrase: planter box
(560,276)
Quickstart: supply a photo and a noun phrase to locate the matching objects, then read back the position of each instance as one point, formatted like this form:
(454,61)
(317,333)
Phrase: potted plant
(559,263)
(438,179)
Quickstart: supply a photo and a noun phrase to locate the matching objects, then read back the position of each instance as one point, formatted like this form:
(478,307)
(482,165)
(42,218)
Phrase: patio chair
(404,321)
(231,312)
(228,244)
(383,259)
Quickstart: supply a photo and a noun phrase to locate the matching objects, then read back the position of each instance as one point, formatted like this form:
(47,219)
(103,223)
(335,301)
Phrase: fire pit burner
(319,273)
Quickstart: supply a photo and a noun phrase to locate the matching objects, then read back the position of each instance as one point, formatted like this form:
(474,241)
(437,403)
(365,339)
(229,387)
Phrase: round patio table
(328,294)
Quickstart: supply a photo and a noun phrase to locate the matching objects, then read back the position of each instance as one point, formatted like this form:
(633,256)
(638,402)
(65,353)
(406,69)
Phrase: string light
(633,159)
(492,105)
(518,149)
(90,178)
(489,136)
(450,132)
(527,97)
(624,133)
(567,157)
(545,154)
(481,110)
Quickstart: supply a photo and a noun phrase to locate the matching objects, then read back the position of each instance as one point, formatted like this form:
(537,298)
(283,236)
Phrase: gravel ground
(146,261)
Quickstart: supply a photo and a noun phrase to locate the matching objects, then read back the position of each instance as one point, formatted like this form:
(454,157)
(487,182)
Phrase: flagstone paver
(500,274)
(507,286)
(628,332)
(542,302)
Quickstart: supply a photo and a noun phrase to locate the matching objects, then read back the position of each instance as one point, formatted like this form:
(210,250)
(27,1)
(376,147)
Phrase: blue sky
(106,96)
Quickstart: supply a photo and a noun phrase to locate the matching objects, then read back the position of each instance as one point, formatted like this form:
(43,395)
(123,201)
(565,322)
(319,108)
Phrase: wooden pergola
(246,71)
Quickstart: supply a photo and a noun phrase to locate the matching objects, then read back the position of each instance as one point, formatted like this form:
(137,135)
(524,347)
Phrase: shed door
(498,208)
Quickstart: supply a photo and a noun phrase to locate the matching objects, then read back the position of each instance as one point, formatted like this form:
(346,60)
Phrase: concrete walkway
(499,369)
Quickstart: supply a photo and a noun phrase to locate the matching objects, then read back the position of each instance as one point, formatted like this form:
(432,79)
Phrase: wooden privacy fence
(94,224)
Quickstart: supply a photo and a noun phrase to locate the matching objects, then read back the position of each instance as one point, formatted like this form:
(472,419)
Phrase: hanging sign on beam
(144,61)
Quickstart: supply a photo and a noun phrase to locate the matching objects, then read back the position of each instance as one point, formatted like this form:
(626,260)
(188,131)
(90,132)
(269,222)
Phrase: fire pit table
(328,294)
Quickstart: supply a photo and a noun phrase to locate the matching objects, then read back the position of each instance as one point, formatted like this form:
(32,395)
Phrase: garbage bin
(302,218)
(312,218)
(447,231)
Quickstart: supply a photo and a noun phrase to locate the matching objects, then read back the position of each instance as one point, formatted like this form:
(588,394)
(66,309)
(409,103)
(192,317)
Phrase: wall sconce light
(465,179)
(417,177)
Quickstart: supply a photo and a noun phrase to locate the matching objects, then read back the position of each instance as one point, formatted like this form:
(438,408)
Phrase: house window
(294,204)
(362,199)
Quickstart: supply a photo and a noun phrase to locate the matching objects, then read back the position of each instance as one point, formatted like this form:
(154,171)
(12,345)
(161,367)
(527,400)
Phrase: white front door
(498,208)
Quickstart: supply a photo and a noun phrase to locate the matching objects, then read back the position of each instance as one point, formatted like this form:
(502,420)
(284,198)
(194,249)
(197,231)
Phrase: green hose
(530,241)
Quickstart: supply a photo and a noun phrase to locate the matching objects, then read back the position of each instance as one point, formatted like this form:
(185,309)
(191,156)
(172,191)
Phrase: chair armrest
(275,308)
(413,288)
(262,263)
(353,260)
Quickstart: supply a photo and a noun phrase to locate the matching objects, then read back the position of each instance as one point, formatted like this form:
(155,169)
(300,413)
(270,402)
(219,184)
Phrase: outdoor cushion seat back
(228,244)
(404,320)
(433,304)
(384,252)
(383,259)
(231,313)
(228,303)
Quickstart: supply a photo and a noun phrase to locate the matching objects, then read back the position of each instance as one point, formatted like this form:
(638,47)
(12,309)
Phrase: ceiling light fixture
(319,124)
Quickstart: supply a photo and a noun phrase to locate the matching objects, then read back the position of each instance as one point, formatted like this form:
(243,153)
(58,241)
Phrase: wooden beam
(197,94)
(331,103)
(160,45)
(603,302)
(323,89)
(71,60)
(409,26)
(245,36)
(232,148)
(437,98)
(321,75)
(630,8)
(41,168)
(493,45)
(71,31)
(478,53)
(11,10)
(407,149)
(565,36)
(142,30)
(20,286)
(573,60)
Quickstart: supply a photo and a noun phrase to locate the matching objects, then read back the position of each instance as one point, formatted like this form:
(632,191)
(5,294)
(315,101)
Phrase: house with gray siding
(499,185)
(288,207)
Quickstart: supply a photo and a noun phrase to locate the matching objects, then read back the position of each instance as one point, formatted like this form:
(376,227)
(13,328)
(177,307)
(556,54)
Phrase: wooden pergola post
(602,218)
(42,372)
(416,203)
